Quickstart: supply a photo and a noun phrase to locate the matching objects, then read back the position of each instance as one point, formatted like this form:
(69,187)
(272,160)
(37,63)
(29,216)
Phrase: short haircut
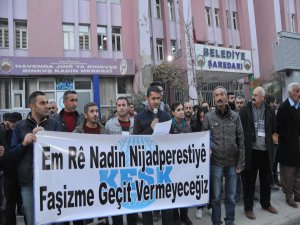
(32,97)
(270,99)
(68,92)
(240,97)
(88,105)
(175,105)
(123,98)
(156,83)
(205,102)
(52,101)
(291,86)
(230,93)
(220,87)
(153,89)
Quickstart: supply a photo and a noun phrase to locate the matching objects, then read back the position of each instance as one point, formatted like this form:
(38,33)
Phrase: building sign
(64,66)
(211,58)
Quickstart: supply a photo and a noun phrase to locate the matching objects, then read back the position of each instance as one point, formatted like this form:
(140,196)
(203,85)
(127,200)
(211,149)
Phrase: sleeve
(17,150)
(137,127)
(240,144)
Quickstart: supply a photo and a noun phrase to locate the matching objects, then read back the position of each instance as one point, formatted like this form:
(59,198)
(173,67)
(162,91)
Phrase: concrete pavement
(286,216)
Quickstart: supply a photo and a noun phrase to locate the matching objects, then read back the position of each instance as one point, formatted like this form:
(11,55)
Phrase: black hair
(65,97)
(32,97)
(86,107)
(175,105)
(153,89)
(123,98)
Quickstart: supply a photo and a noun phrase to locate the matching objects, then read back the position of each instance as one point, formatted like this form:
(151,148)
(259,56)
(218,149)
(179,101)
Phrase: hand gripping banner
(79,176)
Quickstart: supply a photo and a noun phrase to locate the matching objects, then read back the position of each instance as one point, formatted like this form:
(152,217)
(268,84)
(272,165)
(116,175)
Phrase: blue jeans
(216,175)
(27,196)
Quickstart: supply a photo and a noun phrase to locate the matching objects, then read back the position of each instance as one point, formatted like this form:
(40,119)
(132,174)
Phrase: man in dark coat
(288,152)
(258,122)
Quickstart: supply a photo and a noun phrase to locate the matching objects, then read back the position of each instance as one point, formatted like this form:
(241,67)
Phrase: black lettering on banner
(55,158)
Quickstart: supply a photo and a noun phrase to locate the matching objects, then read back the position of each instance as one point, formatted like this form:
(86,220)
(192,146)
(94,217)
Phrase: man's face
(231,98)
(11,124)
(122,107)
(40,108)
(131,108)
(188,109)
(52,108)
(239,103)
(71,103)
(257,97)
(154,100)
(161,91)
(295,94)
(92,115)
(220,98)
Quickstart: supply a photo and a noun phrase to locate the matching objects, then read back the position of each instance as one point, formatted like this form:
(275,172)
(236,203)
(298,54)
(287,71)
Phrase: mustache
(253,100)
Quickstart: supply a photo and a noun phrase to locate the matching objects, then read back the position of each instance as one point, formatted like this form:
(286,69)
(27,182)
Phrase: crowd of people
(247,139)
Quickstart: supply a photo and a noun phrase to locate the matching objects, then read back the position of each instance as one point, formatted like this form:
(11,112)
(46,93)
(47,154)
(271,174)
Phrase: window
(208,18)
(102,38)
(3,34)
(21,38)
(116,39)
(173,47)
(235,20)
(157,9)
(115,1)
(84,37)
(68,33)
(293,16)
(217,17)
(178,96)
(160,49)
(171,10)
(227,19)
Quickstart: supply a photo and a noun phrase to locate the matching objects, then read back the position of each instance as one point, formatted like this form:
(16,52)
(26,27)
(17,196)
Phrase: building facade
(104,49)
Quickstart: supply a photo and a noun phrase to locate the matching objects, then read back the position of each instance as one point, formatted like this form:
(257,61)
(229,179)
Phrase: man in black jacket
(144,123)
(288,152)
(258,122)
(21,149)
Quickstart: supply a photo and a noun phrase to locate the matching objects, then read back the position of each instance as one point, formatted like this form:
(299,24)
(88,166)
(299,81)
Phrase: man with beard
(68,118)
(227,155)
(91,125)
(188,112)
(258,122)
(144,123)
(21,150)
(231,99)
(52,109)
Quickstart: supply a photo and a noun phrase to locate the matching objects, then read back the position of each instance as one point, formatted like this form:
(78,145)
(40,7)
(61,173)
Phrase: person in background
(180,125)
(11,184)
(288,152)
(258,122)
(231,100)
(131,112)
(227,155)
(205,105)
(275,182)
(52,106)
(197,127)
(188,113)
(239,103)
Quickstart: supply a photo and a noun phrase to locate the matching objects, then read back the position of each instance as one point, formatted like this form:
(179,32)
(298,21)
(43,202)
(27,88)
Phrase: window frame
(208,16)
(160,48)
(235,25)
(114,39)
(21,27)
(173,46)
(71,36)
(157,9)
(85,36)
(4,33)
(217,17)
(171,8)
(103,38)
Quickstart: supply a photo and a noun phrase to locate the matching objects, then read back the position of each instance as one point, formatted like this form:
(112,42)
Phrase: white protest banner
(80,176)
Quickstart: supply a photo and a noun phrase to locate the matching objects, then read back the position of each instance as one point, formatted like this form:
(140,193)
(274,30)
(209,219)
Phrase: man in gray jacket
(227,155)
